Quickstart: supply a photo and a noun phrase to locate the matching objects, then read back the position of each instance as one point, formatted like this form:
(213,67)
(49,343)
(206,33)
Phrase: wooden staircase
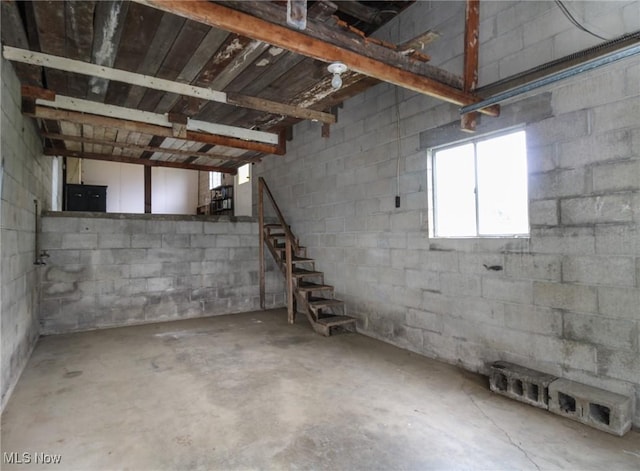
(306,290)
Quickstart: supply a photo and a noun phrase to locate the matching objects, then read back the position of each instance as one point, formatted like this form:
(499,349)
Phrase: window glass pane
(454,198)
(502,185)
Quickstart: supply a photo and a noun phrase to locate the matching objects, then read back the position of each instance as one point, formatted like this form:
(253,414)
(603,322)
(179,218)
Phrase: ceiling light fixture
(336,69)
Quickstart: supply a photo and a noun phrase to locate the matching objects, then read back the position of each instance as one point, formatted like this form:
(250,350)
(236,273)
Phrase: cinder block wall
(25,176)
(567,301)
(113,269)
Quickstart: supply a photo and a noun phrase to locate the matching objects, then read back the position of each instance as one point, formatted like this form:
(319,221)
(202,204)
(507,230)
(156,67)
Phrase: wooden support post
(468,121)
(261,245)
(147,190)
(289,254)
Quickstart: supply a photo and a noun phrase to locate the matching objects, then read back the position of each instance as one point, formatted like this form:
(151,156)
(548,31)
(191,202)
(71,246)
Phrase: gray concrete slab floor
(248,391)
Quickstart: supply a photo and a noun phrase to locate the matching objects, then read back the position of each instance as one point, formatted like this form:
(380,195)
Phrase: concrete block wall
(567,299)
(25,176)
(110,270)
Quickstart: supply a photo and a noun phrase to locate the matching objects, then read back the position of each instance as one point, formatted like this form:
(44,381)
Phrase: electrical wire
(575,22)
(398,141)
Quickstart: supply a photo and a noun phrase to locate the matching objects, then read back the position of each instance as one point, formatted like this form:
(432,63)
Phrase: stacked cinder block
(595,407)
(520,383)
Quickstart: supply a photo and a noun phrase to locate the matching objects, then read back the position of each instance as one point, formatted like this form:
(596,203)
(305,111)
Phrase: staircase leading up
(306,290)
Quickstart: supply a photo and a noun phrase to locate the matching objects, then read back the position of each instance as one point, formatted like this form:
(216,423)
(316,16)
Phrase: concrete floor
(248,391)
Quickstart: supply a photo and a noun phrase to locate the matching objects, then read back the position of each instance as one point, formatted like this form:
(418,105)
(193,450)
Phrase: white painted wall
(125,184)
(174,191)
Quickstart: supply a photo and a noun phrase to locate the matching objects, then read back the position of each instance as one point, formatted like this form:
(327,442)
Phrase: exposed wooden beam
(322,10)
(132,160)
(13,33)
(469,121)
(420,41)
(141,148)
(147,189)
(112,111)
(79,40)
(44,112)
(301,43)
(109,19)
(79,67)
(414,47)
(340,34)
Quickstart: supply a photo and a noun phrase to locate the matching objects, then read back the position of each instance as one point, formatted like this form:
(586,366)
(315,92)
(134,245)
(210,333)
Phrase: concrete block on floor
(520,383)
(595,407)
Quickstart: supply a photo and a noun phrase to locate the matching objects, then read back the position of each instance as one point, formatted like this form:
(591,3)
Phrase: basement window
(479,187)
(215,180)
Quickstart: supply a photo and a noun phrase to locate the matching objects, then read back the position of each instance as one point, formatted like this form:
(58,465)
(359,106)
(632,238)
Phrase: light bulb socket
(336,81)
(337,68)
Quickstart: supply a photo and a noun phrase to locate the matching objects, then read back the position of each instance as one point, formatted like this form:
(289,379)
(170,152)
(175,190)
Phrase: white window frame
(431,178)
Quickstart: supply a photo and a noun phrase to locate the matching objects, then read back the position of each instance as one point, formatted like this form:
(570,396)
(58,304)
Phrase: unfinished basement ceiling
(275,88)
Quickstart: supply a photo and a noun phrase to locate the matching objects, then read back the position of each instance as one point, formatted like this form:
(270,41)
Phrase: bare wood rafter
(136,161)
(322,11)
(302,43)
(109,20)
(44,112)
(148,148)
(468,122)
(111,111)
(420,41)
(342,34)
(79,67)
(13,34)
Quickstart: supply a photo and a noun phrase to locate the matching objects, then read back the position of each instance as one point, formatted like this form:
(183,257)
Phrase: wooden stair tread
(284,247)
(306,286)
(336,320)
(297,259)
(317,303)
(300,272)
(270,226)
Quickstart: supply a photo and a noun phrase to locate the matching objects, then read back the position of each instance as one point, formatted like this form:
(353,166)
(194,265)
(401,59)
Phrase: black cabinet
(86,198)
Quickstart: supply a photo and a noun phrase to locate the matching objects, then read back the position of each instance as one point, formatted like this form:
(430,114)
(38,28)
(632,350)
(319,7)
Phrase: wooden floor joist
(218,16)
(111,111)
(136,161)
(24,56)
(141,148)
(44,112)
